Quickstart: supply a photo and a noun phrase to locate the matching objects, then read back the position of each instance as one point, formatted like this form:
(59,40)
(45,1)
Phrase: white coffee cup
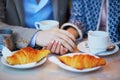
(98,41)
(47,24)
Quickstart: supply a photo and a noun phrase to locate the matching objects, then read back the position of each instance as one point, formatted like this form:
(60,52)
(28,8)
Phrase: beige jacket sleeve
(21,36)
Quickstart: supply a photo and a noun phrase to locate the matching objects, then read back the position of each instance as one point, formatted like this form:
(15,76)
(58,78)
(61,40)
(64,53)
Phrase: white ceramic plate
(55,60)
(6,52)
(82,47)
(24,66)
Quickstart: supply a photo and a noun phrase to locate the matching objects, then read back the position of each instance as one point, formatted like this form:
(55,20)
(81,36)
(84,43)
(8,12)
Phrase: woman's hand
(56,47)
(64,38)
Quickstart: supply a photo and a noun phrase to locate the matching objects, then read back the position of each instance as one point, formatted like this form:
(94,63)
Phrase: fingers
(57,51)
(65,44)
(67,34)
(50,45)
(63,50)
(56,47)
(66,39)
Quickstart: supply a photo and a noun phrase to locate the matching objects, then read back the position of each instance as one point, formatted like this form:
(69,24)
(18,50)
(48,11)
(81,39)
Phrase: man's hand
(66,39)
(56,47)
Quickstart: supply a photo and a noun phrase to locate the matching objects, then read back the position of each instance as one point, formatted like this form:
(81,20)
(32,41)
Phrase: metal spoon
(110,48)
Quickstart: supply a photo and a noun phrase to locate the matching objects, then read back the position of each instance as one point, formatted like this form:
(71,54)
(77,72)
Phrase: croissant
(27,55)
(82,61)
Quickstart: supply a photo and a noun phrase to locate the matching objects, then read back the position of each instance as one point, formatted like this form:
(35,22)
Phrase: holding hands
(56,40)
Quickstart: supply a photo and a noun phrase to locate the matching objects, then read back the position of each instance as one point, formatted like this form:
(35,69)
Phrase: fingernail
(59,42)
(66,49)
(52,41)
(61,46)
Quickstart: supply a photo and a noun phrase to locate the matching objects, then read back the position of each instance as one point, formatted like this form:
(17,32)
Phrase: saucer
(82,47)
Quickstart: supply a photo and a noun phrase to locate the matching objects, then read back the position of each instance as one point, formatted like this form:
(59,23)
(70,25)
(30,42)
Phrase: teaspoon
(110,48)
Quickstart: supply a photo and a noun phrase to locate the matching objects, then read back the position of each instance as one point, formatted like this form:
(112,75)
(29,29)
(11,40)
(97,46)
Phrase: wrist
(73,31)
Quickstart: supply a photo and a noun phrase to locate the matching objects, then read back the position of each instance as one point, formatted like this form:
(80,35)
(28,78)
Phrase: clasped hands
(56,40)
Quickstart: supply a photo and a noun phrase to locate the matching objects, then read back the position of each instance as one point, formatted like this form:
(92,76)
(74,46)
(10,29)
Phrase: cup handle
(37,25)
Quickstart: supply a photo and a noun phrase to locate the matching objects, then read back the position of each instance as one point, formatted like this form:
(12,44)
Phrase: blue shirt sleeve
(32,42)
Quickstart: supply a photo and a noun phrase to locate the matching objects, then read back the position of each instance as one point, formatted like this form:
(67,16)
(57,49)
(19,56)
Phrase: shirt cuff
(32,42)
(74,26)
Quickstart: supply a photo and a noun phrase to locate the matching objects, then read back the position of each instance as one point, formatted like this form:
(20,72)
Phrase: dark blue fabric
(85,14)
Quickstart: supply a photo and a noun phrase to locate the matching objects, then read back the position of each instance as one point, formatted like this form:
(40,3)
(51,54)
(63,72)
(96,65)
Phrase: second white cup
(47,24)
(98,41)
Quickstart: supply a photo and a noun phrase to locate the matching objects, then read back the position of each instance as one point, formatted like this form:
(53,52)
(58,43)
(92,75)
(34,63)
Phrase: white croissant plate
(24,66)
(55,60)
(6,52)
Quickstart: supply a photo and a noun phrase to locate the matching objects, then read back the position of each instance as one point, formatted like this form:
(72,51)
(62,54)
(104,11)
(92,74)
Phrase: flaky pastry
(82,61)
(27,55)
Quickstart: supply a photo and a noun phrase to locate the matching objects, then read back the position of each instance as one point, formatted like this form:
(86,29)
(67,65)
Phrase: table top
(50,71)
